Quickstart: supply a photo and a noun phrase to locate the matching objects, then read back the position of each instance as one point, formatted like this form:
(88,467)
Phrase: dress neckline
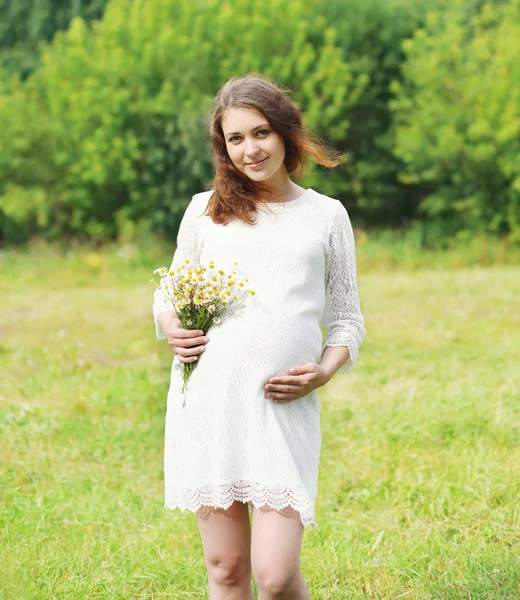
(293,200)
(277,208)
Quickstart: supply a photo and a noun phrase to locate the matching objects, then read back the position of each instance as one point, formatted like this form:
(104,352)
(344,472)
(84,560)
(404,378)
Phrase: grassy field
(419,483)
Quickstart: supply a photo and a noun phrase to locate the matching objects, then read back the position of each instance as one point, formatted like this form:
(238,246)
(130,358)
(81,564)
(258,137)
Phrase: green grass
(419,489)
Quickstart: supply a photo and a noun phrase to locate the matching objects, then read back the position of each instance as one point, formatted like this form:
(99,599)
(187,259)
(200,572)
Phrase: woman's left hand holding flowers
(301,381)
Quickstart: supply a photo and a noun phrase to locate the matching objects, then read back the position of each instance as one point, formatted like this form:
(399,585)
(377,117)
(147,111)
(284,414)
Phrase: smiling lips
(255,165)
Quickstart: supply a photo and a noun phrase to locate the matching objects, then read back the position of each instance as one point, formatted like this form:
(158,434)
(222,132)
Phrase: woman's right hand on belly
(187,344)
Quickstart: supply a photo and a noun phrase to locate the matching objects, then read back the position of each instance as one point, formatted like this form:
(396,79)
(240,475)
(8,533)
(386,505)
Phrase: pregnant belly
(260,345)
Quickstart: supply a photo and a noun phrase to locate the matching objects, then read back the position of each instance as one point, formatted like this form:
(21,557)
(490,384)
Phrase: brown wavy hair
(235,195)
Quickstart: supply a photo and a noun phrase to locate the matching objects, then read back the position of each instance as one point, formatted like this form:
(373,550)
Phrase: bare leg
(226,539)
(275,554)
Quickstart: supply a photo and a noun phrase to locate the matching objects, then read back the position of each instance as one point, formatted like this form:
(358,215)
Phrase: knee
(228,571)
(275,582)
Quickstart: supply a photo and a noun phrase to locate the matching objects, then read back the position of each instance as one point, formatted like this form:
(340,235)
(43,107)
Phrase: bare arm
(168,320)
(332,359)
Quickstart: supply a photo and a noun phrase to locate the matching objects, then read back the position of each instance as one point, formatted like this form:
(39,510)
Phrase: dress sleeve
(188,246)
(342,315)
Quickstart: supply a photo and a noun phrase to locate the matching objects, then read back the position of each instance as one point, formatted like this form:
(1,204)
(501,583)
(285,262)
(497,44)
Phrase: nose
(251,148)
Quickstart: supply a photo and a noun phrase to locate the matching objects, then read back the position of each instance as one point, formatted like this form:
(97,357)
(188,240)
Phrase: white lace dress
(229,442)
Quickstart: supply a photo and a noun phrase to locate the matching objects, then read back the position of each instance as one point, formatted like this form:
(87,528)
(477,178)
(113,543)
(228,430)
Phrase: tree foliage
(457,118)
(113,125)
(27,24)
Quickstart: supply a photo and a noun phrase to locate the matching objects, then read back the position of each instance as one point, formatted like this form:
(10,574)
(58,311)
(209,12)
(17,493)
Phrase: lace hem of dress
(223,496)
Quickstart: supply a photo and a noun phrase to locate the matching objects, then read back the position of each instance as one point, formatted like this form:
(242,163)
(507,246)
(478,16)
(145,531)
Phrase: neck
(283,188)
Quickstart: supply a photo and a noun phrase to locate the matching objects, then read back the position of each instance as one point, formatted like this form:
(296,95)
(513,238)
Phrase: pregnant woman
(242,453)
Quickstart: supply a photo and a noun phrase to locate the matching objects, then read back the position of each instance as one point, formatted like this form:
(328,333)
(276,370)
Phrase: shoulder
(202,196)
(331,207)
(337,222)
(199,203)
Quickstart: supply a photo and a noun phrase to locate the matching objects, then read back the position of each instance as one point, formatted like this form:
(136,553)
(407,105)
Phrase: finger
(191,351)
(283,396)
(187,359)
(294,380)
(301,369)
(282,388)
(194,341)
(188,333)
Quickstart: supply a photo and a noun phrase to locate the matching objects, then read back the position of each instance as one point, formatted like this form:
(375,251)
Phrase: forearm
(167,319)
(332,358)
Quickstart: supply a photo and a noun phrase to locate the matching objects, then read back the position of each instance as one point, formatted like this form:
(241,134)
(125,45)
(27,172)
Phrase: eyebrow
(254,129)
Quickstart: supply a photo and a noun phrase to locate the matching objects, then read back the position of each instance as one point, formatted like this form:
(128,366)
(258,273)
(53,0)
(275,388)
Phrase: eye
(266,131)
(233,137)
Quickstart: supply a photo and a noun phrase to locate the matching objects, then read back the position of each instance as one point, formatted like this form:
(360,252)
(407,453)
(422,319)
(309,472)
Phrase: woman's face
(249,140)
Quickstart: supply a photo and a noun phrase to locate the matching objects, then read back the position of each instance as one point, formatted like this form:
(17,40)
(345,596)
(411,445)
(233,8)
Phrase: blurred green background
(103,141)
(104,106)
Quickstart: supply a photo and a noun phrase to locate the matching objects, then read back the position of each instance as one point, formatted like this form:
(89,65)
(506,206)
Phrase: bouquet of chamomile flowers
(200,295)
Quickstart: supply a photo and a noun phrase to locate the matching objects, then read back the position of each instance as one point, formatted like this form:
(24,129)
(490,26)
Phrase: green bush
(370,34)
(110,131)
(27,24)
(457,118)
(114,122)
